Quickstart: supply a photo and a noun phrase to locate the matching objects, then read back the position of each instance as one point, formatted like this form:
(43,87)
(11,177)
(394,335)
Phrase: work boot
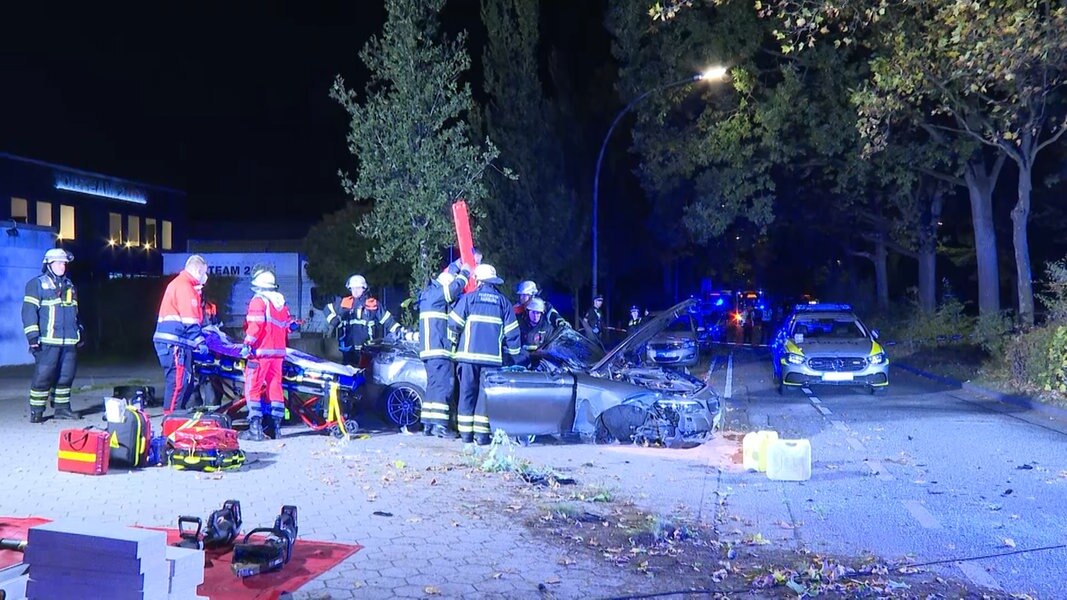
(482,439)
(429,430)
(255,430)
(443,432)
(63,411)
(37,414)
(270,427)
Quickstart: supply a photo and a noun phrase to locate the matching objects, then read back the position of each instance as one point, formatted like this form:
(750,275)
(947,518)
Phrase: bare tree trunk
(1020,217)
(927,253)
(881,271)
(980,184)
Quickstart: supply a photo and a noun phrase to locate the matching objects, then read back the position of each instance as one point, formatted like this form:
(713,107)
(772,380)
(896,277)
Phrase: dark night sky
(227,104)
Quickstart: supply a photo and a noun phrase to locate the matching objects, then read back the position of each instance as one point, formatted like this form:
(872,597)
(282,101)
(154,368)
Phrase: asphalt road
(925,474)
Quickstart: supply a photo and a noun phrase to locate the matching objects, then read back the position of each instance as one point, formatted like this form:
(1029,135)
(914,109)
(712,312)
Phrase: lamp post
(712,74)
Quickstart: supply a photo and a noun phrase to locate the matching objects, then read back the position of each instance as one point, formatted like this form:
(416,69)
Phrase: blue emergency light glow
(103,188)
(719,302)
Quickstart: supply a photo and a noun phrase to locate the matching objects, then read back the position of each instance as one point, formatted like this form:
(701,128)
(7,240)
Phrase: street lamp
(711,74)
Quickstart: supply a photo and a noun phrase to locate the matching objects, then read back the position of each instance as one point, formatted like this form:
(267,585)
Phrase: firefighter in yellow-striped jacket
(50,321)
(435,349)
(484,325)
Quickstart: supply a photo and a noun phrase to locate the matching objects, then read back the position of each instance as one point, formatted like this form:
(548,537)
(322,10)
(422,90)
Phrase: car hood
(856,347)
(648,330)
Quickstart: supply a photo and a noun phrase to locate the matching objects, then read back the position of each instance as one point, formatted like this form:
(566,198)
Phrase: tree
(990,73)
(411,138)
(534,227)
(336,249)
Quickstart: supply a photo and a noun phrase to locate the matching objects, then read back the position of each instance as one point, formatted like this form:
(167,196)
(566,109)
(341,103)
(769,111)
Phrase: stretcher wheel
(350,425)
(402,403)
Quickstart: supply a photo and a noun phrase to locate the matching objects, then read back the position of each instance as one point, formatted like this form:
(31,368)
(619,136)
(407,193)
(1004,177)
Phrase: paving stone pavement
(439,535)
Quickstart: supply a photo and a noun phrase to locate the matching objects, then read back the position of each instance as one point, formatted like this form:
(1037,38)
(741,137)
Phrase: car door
(529,402)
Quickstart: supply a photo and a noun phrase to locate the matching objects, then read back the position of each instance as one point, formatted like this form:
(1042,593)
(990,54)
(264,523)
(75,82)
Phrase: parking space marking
(923,516)
(729,389)
(815,400)
(978,575)
(822,409)
(807,391)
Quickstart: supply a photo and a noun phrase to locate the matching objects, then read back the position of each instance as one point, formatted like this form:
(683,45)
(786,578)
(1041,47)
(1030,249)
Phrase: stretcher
(321,393)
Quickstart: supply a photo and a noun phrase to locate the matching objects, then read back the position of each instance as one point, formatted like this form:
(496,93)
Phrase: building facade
(115,227)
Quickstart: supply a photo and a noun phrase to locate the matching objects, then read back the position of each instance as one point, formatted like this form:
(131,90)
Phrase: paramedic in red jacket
(267,327)
(178,332)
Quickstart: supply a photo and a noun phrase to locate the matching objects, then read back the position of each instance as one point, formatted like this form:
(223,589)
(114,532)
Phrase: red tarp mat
(310,559)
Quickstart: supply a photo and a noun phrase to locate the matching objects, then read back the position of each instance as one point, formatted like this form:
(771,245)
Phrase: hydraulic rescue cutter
(223,526)
(270,554)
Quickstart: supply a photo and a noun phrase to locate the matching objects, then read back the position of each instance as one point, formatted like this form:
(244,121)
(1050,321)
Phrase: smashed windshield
(829,329)
(573,349)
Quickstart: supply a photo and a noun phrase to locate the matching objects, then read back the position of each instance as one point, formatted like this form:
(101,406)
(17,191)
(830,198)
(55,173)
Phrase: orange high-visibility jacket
(180,313)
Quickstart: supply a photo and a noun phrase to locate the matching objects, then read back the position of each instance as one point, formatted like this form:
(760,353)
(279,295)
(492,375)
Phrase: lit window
(44,214)
(66,222)
(133,230)
(167,241)
(151,232)
(20,210)
(114,228)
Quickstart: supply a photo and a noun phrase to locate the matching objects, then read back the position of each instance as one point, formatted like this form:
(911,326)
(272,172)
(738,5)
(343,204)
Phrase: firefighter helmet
(486,273)
(57,255)
(356,281)
(527,287)
(536,305)
(263,279)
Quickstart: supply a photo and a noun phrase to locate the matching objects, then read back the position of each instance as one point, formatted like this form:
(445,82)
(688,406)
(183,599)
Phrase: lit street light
(711,74)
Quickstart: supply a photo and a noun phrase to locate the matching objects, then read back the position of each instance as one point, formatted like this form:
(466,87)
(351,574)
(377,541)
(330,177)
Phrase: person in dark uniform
(635,319)
(534,326)
(359,319)
(593,321)
(435,349)
(50,322)
(484,326)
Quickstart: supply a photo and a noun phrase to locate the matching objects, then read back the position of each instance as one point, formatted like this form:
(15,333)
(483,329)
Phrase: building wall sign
(96,186)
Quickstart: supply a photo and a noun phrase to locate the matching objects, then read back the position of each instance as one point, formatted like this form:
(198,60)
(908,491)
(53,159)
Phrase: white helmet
(356,281)
(486,273)
(446,278)
(536,305)
(527,287)
(264,280)
(57,255)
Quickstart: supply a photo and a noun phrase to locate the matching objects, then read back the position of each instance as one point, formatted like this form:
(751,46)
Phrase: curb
(1014,399)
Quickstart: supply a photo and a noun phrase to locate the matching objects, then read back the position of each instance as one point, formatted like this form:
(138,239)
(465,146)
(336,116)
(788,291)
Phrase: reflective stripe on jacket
(484,323)
(180,313)
(50,311)
(267,326)
(434,304)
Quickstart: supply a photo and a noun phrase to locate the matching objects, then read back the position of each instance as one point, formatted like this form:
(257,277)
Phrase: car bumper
(799,375)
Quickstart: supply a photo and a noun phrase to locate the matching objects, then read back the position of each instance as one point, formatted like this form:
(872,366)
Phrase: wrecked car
(572,387)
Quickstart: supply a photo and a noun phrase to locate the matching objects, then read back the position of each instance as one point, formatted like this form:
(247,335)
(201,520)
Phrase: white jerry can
(789,460)
(754,449)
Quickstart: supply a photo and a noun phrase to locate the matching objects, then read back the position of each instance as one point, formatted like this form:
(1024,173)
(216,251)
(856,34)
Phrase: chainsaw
(223,526)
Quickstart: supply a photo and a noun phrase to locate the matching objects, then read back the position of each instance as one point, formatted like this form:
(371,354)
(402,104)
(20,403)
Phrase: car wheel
(402,404)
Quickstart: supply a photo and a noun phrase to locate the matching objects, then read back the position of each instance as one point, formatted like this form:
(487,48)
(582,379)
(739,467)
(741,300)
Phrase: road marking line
(923,516)
(729,389)
(814,400)
(807,390)
(978,575)
(879,470)
(825,411)
(841,427)
(856,444)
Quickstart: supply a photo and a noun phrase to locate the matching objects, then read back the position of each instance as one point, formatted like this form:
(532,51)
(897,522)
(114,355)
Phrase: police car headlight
(794,359)
(877,359)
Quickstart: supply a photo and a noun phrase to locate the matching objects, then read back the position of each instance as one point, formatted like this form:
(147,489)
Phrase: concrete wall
(20,260)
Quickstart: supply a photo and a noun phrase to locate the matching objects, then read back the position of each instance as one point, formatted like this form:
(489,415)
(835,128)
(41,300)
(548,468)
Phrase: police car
(827,344)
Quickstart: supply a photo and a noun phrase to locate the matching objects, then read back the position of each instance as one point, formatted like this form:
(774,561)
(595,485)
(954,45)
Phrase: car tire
(401,403)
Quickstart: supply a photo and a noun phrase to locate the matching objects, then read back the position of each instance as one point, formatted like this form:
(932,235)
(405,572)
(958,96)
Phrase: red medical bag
(84,451)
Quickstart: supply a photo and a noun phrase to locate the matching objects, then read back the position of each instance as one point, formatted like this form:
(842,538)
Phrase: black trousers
(440,382)
(472,417)
(54,368)
(177,363)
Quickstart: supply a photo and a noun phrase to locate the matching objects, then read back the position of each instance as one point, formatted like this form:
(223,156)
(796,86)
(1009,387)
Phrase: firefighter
(178,332)
(50,321)
(635,319)
(526,291)
(359,319)
(484,326)
(534,325)
(436,349)
(593,320)
(267,327)
(457,265)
